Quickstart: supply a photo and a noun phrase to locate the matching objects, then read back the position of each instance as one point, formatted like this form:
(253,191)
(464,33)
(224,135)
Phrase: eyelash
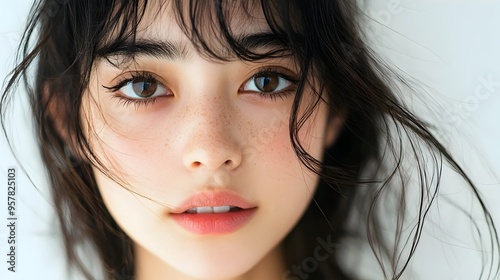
(133,76)
(281,73)
(125,101)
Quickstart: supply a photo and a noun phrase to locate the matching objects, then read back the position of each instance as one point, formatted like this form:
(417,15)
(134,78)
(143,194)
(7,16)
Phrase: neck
(148,266)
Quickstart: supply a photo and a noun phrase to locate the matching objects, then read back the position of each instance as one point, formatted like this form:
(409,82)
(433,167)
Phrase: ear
(57,115)
(333,129)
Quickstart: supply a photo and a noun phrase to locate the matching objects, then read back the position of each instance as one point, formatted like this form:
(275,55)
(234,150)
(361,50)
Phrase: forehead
(178,20)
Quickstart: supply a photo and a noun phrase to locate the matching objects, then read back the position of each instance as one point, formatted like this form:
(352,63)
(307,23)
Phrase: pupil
(144,88)
(267,82)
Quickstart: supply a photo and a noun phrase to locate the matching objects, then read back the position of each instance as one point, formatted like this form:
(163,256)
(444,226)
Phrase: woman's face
(172,124)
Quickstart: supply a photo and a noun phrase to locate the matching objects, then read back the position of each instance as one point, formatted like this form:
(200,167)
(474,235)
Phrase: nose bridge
(208,99)
(208,93)
(211,123)
(210,141)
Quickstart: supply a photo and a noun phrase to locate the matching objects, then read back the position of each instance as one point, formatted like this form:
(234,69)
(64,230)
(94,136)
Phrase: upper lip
(212,198)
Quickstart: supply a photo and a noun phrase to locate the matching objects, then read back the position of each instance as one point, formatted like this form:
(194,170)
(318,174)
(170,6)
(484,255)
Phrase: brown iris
(267,82)
(144,87)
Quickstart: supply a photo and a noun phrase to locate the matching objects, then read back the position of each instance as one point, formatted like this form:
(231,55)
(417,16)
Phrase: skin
(207,135)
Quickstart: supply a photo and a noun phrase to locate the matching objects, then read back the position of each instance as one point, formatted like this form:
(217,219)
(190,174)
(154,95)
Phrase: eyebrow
(164,49)
(263,41)
(145,47)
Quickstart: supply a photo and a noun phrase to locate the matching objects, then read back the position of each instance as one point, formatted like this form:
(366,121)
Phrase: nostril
(230,164)
(201,157)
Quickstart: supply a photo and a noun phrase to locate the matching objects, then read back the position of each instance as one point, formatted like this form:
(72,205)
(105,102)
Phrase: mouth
(213,202)
(213,213)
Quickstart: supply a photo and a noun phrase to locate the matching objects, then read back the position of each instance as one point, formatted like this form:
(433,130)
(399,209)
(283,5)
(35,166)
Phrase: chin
(215,270)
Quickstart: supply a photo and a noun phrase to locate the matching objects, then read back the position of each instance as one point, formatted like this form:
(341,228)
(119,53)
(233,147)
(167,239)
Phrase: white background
(452,47)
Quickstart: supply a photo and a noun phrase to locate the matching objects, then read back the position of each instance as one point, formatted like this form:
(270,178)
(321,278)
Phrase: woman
(217,140)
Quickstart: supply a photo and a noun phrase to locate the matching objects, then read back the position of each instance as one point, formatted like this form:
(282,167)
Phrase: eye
(143,87)
(267,82)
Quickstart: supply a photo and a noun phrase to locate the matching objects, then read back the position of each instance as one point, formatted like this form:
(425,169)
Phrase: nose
(211,142)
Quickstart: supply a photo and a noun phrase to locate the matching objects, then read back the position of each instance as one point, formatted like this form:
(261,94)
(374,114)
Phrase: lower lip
(214,223)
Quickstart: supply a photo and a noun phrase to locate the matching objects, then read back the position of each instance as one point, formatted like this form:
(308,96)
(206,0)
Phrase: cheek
(274,144)
(285,184)
(130,146)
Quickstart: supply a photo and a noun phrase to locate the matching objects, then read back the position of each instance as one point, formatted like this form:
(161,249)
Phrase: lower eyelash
(282,95)
(136,102)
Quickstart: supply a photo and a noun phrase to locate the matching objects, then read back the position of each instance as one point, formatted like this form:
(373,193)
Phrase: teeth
(221,209)
(208,209)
